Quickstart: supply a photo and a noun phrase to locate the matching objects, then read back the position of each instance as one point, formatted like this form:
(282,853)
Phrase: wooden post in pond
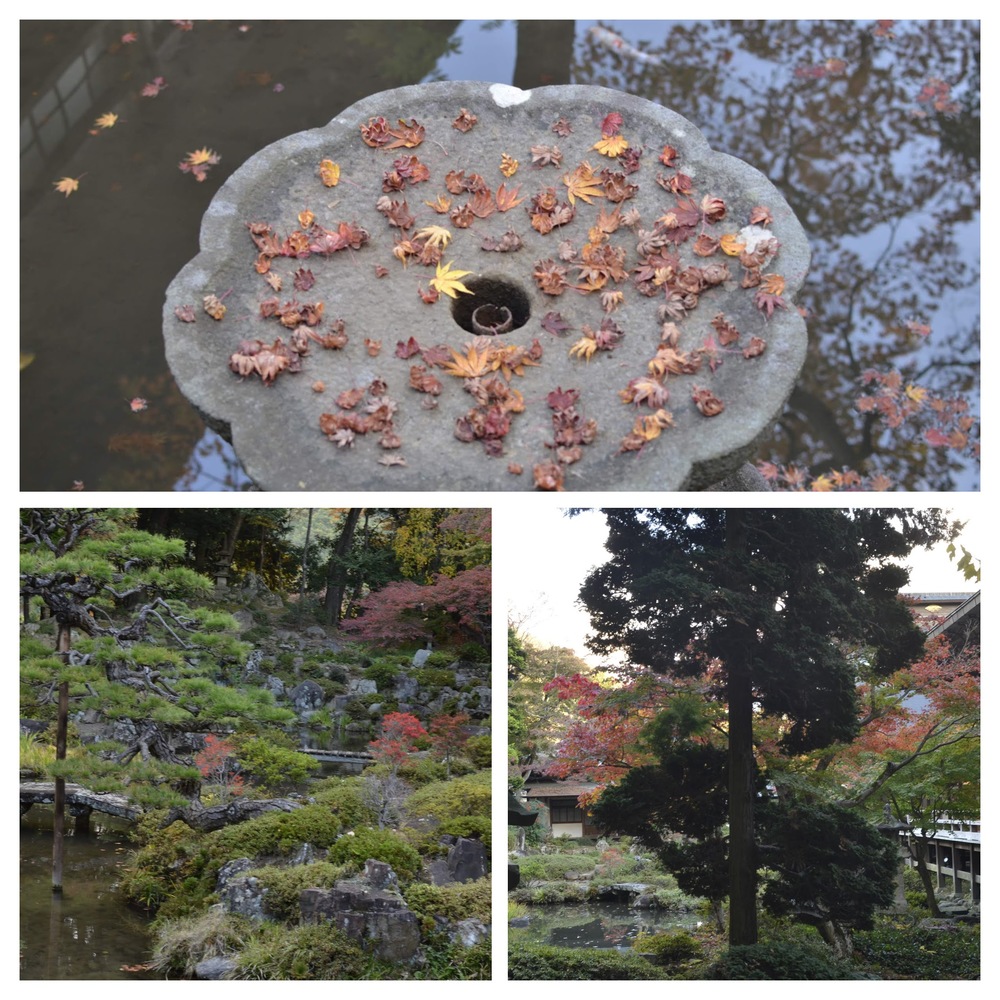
(59,800)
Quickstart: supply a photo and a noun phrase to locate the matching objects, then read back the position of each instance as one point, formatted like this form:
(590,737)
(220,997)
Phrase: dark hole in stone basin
(494,298)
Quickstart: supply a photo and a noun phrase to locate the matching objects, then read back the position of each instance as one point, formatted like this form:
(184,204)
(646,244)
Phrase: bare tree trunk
(742,850)
(837,937)
(59,799)
(336,577)
(918,851)
(228,548)
(305,565)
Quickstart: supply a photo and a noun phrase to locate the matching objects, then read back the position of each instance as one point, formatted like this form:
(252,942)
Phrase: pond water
(871,132)
(87,932)
(597,925)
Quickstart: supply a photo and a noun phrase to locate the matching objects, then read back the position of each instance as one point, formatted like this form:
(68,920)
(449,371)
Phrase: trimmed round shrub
(383,673)
(382,845)
(668,947)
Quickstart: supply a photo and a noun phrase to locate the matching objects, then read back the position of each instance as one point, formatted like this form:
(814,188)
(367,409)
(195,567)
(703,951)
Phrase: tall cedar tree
(770,595)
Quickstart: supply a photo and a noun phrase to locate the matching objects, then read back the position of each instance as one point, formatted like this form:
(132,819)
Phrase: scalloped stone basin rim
(462,436)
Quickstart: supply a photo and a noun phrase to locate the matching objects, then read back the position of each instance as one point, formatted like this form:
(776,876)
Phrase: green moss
(454,901)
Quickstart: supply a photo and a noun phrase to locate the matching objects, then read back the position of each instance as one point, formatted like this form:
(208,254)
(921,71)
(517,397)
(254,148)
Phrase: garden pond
(869,129)
(597,925)
(87,932)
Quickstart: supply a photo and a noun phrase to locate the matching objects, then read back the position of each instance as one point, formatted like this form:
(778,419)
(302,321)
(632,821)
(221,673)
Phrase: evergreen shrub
(534,961)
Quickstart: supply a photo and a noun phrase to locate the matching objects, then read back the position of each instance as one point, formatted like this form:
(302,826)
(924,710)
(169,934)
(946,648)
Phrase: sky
(554,553)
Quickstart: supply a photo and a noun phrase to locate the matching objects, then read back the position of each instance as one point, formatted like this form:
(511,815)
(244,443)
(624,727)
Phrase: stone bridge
(80,801)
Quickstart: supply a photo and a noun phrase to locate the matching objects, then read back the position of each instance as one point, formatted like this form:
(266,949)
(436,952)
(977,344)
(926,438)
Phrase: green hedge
(775,960)
(531,961)
(911,953)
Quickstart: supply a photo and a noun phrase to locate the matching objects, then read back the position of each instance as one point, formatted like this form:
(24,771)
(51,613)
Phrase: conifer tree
(770,598)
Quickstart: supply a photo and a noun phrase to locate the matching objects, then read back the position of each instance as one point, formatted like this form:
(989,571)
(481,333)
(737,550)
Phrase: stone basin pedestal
(623,314)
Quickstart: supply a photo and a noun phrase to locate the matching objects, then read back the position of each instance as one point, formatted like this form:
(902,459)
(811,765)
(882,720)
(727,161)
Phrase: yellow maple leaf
(67,185)
(107,120)
(470,365)
(822,484)
(582,184)
(329,173)
(446,281)
(731,245)
(203,155)
(611,145)
(435,236)
(584,348)
(916,392)
(508,165)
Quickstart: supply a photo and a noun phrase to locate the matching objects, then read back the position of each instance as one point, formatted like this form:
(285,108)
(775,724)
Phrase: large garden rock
(377,919)
(306,697)
(464,862)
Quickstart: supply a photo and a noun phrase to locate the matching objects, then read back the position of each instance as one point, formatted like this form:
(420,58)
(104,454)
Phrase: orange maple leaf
(773,284)
(506,200)
(731,245)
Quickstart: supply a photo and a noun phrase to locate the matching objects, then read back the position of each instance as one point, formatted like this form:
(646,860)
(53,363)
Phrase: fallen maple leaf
(107,120)
(549,476)
(508,165)
(203,155)
(446,281)
(582,184)
(506,200)
(435,236)
(138,404)
(554,323)
(214,306)
(67,185)
(611,145)
(731,245)
(129,37)
(465,120)
(471,365)
(773,284)
(153,88)
(329,173)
